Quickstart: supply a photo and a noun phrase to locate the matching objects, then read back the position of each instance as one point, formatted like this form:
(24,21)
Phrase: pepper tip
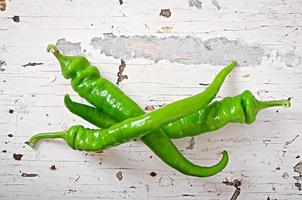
(234,62)
(30,143)
(287,103)
(225,154)
(67,99)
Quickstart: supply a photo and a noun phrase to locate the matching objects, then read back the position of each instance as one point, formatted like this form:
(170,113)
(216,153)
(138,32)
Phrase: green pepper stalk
(157,141)
(242,108)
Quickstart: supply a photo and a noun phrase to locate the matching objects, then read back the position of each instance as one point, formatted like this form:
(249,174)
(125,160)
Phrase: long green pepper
(105,96)
(242,108)
(80,138)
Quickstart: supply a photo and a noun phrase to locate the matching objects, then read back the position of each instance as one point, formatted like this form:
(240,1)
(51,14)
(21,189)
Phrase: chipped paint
(16,18)
(67,47)
(298,185)
(236,183)
(2,65)
(298,169)
(120,75)
(191,144)
(153,174)
(119,175)
(285,175)
(216,4)
(165,13)
(287,143)
(2,5)
(17,156)
(291,59)
(29,174)
(185,50)
(53,167)
(165,181)
(32,64)
(149,108)
(195,3)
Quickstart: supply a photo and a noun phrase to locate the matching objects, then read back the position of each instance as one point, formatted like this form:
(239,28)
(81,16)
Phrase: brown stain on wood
(32,64)
(2,5)
(153,174)
(165,13)
(120,75)
(29,174)
(236,183)
(119,175)
(17,156)
(16,18)
(149,108)
(52,167)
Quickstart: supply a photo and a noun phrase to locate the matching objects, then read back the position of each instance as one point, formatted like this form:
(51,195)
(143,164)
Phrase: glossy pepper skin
(242,108)
(98,91)
(72,66)
(94,115)
(81,138)
(99,139)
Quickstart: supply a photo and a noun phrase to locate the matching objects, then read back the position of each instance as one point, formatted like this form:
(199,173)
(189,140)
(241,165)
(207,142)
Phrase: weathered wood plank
(262,155)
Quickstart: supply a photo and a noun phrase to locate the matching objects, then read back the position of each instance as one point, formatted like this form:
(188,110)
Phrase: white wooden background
(264,35)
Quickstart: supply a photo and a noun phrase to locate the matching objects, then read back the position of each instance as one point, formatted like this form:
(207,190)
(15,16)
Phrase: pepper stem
(55,51)
(273,103)
(35,138)
(52,49)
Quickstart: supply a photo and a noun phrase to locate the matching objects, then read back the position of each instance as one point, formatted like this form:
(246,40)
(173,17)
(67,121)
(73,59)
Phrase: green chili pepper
(107,97)
(80,138)
(238,109)
(242,108)
(135,127)
(94,115)
(87,82)
(89,113)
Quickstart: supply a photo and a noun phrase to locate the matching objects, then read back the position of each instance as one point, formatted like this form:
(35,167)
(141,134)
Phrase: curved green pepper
(98,91)
(242,108)
(136,127)
(238,109)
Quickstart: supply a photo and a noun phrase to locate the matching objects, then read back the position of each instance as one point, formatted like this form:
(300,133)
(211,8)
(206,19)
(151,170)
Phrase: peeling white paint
(257,152)
(291,59)
(69,48)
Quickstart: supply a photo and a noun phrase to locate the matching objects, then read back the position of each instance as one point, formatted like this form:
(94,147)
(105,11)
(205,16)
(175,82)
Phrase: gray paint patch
(69,48)
(291,59)
(195,3)
(185,50)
